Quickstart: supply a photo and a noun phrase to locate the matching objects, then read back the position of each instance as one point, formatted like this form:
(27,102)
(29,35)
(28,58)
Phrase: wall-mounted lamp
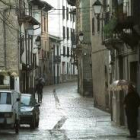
(81,36)
(97,6)
(38,41)
(30,31)
(35,50)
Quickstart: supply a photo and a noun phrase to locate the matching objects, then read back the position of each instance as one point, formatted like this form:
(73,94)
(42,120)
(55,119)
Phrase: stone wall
(8,38)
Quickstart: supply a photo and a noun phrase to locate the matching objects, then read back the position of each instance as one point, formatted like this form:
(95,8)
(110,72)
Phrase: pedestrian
(131,104)
(39,90)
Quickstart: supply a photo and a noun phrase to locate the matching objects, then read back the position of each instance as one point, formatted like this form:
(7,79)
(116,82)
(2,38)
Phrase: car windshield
(5,98)
(25,100)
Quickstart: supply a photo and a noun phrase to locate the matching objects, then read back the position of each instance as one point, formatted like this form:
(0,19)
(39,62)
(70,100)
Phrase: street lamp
(38,41)
(34,51)
(81,36)
(97,6)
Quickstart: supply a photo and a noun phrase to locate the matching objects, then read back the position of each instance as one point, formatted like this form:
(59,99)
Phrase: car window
(5,98)
(25,100)
(33,101)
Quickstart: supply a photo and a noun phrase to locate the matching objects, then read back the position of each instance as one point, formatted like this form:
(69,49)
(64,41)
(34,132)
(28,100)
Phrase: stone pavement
(65,115)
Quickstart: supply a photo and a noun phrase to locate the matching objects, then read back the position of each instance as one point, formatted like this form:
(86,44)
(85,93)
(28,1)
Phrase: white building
(62,24)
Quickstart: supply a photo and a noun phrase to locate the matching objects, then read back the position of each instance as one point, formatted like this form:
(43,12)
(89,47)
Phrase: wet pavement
(65,115)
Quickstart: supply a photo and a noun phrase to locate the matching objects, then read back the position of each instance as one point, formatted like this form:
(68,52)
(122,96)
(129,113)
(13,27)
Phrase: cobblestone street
(65,115)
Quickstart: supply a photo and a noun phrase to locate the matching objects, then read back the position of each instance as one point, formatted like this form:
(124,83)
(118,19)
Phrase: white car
(9,109)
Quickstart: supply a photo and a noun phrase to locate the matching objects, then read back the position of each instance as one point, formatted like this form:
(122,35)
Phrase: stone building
(83,49)
(34,29)
(100,60)
(41,35)
(124,50)
(9,47)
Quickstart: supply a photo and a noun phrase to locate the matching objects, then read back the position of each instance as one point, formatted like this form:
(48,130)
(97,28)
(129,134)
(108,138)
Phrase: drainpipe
(4,37)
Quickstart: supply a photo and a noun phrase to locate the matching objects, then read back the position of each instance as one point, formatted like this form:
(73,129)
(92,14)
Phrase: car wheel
(17,126)
(33,123)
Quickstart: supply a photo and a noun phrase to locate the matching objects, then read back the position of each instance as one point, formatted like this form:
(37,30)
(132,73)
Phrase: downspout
(4,37)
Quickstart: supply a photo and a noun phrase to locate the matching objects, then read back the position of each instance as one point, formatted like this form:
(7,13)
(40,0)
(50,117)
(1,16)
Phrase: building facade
(34,30)
(124,51)
(65,28)
(55,59)
(41,36)
(100,60)
(83,48)
(9,47)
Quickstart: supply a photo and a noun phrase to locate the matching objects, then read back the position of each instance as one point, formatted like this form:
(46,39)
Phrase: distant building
(55,60)
(63,25)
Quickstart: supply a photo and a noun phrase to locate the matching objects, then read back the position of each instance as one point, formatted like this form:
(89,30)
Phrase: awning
(29,19)
(41,4)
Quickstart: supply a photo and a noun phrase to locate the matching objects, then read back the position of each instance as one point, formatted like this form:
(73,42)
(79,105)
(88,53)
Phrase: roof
(41,5)
(29,19)
(55,38)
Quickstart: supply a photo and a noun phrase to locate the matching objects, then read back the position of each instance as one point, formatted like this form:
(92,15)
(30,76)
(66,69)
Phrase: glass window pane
(5,98)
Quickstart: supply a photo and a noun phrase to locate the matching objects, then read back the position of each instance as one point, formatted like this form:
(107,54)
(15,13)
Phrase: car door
(36,107)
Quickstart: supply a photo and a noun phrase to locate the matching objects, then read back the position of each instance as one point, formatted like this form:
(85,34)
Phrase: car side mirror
(37,105)
(18,99)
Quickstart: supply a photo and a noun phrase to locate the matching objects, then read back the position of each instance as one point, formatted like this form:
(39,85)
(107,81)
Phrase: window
(25,100)
(98,24)
(73,18)
(1,79)
(70,17)
(67,33)
(57,50)
(93,27)
(44,24)
(71,34)
(63,12)
(64,32)
(67,13)
(5,98)
(68,51)
(53,50)
(63,50)
(30,10)
(67,68)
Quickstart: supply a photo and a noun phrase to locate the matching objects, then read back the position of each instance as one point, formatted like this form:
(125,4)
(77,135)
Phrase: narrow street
(65,115)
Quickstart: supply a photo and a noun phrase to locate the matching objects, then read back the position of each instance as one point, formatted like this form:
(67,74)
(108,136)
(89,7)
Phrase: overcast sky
(52,2)
(53,20)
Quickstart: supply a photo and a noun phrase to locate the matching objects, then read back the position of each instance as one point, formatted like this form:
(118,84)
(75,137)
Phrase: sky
(53,21)
(52,2)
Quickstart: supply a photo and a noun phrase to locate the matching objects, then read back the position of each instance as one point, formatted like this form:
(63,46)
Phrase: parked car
(29,110)
(9,109)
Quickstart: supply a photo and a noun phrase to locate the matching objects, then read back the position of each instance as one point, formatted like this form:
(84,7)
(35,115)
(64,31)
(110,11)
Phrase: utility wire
(8,4)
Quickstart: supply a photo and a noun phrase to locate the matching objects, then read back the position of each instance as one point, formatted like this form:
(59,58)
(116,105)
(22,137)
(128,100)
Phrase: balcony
(72,2)
(124,23)
(57,59)
(116,27)
(28,19)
